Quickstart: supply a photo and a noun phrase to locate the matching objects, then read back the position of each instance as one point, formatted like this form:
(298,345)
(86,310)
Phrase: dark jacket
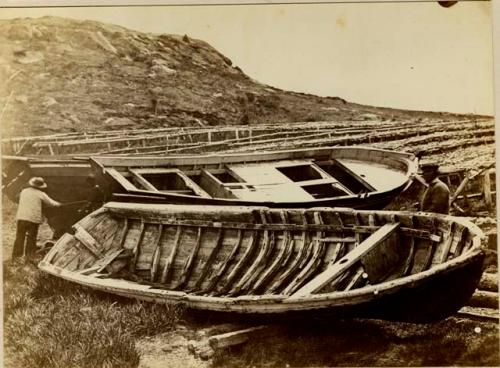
(436,198)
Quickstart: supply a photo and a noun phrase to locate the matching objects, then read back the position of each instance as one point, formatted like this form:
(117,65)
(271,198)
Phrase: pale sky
(403,55)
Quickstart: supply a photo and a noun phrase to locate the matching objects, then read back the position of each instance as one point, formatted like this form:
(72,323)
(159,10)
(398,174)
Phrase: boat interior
(291,180)
(255,251)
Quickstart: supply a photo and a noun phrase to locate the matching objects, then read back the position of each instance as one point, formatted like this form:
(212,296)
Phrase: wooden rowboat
(265,262)
(354,177)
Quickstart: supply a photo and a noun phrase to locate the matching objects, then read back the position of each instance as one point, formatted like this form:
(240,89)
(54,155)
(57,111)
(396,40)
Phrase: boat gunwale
(116,163)
(259,303)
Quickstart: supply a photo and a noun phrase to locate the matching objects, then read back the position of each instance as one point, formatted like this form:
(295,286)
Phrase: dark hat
(429,168)
(38,183)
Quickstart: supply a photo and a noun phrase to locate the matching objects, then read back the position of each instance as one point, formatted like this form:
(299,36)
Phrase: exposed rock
(49,101)
(29,57)
(118,123)
(103,42)
(21,99)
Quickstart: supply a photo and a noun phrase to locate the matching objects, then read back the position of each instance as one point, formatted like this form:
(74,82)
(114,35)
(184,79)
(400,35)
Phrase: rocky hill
(63,75)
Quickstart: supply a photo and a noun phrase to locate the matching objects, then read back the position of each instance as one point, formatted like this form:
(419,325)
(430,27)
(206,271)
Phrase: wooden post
(487,189)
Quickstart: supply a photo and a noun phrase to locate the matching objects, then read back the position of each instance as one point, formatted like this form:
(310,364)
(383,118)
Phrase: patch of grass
(49,322)
(356,343)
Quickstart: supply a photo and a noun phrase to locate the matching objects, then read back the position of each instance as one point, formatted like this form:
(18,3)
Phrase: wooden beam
(88,241)
(146,184)
(347,261)
(487,189)
(120,179)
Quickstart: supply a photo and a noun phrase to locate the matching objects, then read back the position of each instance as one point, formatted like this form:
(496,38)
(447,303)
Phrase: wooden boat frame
(116,174)
(428,295)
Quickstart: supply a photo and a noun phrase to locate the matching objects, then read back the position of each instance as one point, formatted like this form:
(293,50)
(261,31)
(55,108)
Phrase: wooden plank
(155,259)
(120,179)
(209,261)
(146,184)
(314,262)
(223,267)
(235,337)
(266,248)
(278,261)
(135,250)
(356,279)
(443,248)
(487,189)
(238,268)
(381,262)
(347,261)
(409,260)
(486,314)
(123,234)
(88,241)
(188,265)
(290,271)
(108,259)
(418,233)
(167,268)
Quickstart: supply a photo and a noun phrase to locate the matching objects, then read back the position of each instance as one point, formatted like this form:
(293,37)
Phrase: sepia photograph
(248,184)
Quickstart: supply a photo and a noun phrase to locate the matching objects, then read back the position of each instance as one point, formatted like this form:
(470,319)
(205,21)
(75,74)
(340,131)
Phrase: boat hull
(271,263)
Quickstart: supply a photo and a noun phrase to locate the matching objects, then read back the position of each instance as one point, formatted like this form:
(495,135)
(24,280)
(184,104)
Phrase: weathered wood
(209,262)
(356,278)
(188,265)
(266,248)
(279,260)
(409,261)
(146,184)
(235,337)
(487,189)
(380,262)
(135,250)
(290,271)
(239,267)
(484,299)
(489,282)
(226,263)
(314,262)
(123,234)
(167,268)
(87,240)
(347,261)
(483,314)
(155,260)
(443,248)
(102,264)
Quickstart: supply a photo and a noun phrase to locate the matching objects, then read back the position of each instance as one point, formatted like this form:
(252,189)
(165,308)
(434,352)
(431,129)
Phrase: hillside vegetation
(64,75)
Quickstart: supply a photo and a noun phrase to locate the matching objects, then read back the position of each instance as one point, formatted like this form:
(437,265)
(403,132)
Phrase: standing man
(436,197)
(29,217)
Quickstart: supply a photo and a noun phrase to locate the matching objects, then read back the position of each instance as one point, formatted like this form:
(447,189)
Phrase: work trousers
(25,243)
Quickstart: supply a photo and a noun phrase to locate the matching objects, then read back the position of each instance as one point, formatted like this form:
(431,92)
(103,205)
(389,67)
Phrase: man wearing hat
(436,197)
(29,216)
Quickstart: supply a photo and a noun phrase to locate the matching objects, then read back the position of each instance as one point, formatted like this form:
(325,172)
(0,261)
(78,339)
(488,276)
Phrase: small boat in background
(354,177)
(266,262)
